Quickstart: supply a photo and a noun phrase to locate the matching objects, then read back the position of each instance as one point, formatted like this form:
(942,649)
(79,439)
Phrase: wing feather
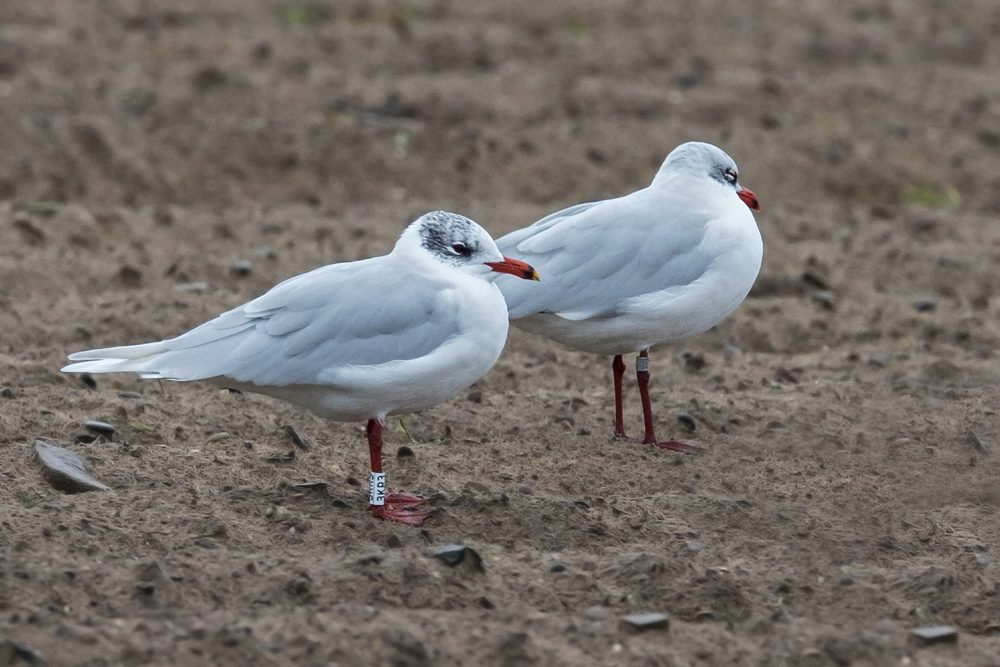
(592,257)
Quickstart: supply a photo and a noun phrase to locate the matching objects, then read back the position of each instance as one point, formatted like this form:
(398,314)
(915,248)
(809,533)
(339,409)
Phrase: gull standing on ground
(656,266)
(354,341)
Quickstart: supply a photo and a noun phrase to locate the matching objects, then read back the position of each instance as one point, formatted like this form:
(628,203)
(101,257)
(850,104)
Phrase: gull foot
(403,500)
(401,515)
(675,446)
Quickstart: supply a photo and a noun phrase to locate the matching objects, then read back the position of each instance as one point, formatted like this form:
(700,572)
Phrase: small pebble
(597,613)
(218,437)
(526,490)
(242,268)
(486,603)
(297,439)
(731,351)
(924,304)
(88,379)
(847,580)
(824,298)
(265,252)
(65,469)
(557,567)
(453,554)
(394,542)
(984,559)
(339,503)
(934,634)
(880,359)
(129,395)
(694,546)
(404,452)
(104,428)
(687,421)
(886,626)
(648,621)
(476,487)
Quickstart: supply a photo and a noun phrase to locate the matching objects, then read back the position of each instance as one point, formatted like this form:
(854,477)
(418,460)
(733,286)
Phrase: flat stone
(984,559)
(104,428)
(694,546)
(647,621)
(454,554)
(65,469)
(295,437)
(597,613)
(476,487)
(934,634)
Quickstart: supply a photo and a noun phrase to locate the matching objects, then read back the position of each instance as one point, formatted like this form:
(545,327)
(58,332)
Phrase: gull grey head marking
(450,237)
(707,159)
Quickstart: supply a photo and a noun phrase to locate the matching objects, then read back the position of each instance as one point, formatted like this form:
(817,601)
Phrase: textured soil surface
(845,495)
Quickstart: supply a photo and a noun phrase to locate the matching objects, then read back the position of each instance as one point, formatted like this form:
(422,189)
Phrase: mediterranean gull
(656,266)
(354,341)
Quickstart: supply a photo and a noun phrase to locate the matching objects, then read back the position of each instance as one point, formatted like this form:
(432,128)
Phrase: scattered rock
(476,487)
(731,351)
(886,626)
(847,580)
(339,503)
(404,452)
(218,437)
(88,380)
(130,276)
(101,428)
(394,542)
(486,603)
(14,653)
(526,490)
(880,359)
(984,559)
(597,613)
(318,485)
(557,567)
(65,469)
(244,267)
(475,396)
(687,421)
(31,233)
(453,554)
(934,634)
(825,298)
(694,546)
(978,444)
(130,395)
(647,621)
(924,304)
(296,438)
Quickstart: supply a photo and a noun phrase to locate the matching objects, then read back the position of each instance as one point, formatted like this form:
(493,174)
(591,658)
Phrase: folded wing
(592,257)
(363,313)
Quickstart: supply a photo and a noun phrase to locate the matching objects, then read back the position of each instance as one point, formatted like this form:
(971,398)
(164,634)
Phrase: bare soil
(839,502)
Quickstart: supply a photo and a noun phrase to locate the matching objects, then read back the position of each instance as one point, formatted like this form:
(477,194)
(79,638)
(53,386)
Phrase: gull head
(460,243)
(700,160)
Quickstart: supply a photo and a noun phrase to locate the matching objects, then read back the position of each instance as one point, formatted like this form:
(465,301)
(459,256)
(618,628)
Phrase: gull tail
(123,359)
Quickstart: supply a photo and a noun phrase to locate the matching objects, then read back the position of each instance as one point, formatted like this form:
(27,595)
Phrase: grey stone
(65,469)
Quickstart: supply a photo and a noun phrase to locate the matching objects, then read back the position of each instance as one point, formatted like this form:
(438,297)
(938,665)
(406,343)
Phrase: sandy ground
(839,502)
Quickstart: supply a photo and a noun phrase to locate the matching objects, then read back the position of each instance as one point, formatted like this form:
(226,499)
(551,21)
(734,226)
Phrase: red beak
(749,198)
(514,267)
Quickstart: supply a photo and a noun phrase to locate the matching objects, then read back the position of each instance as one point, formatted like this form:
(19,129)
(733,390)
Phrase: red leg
(393,506)
(642,375)
(618,368)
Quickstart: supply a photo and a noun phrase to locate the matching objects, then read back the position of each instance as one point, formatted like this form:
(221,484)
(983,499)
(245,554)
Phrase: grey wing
(340,315)
(592,257)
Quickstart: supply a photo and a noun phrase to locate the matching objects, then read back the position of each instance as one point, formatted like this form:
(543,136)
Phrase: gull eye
(730,176)
(461,249)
